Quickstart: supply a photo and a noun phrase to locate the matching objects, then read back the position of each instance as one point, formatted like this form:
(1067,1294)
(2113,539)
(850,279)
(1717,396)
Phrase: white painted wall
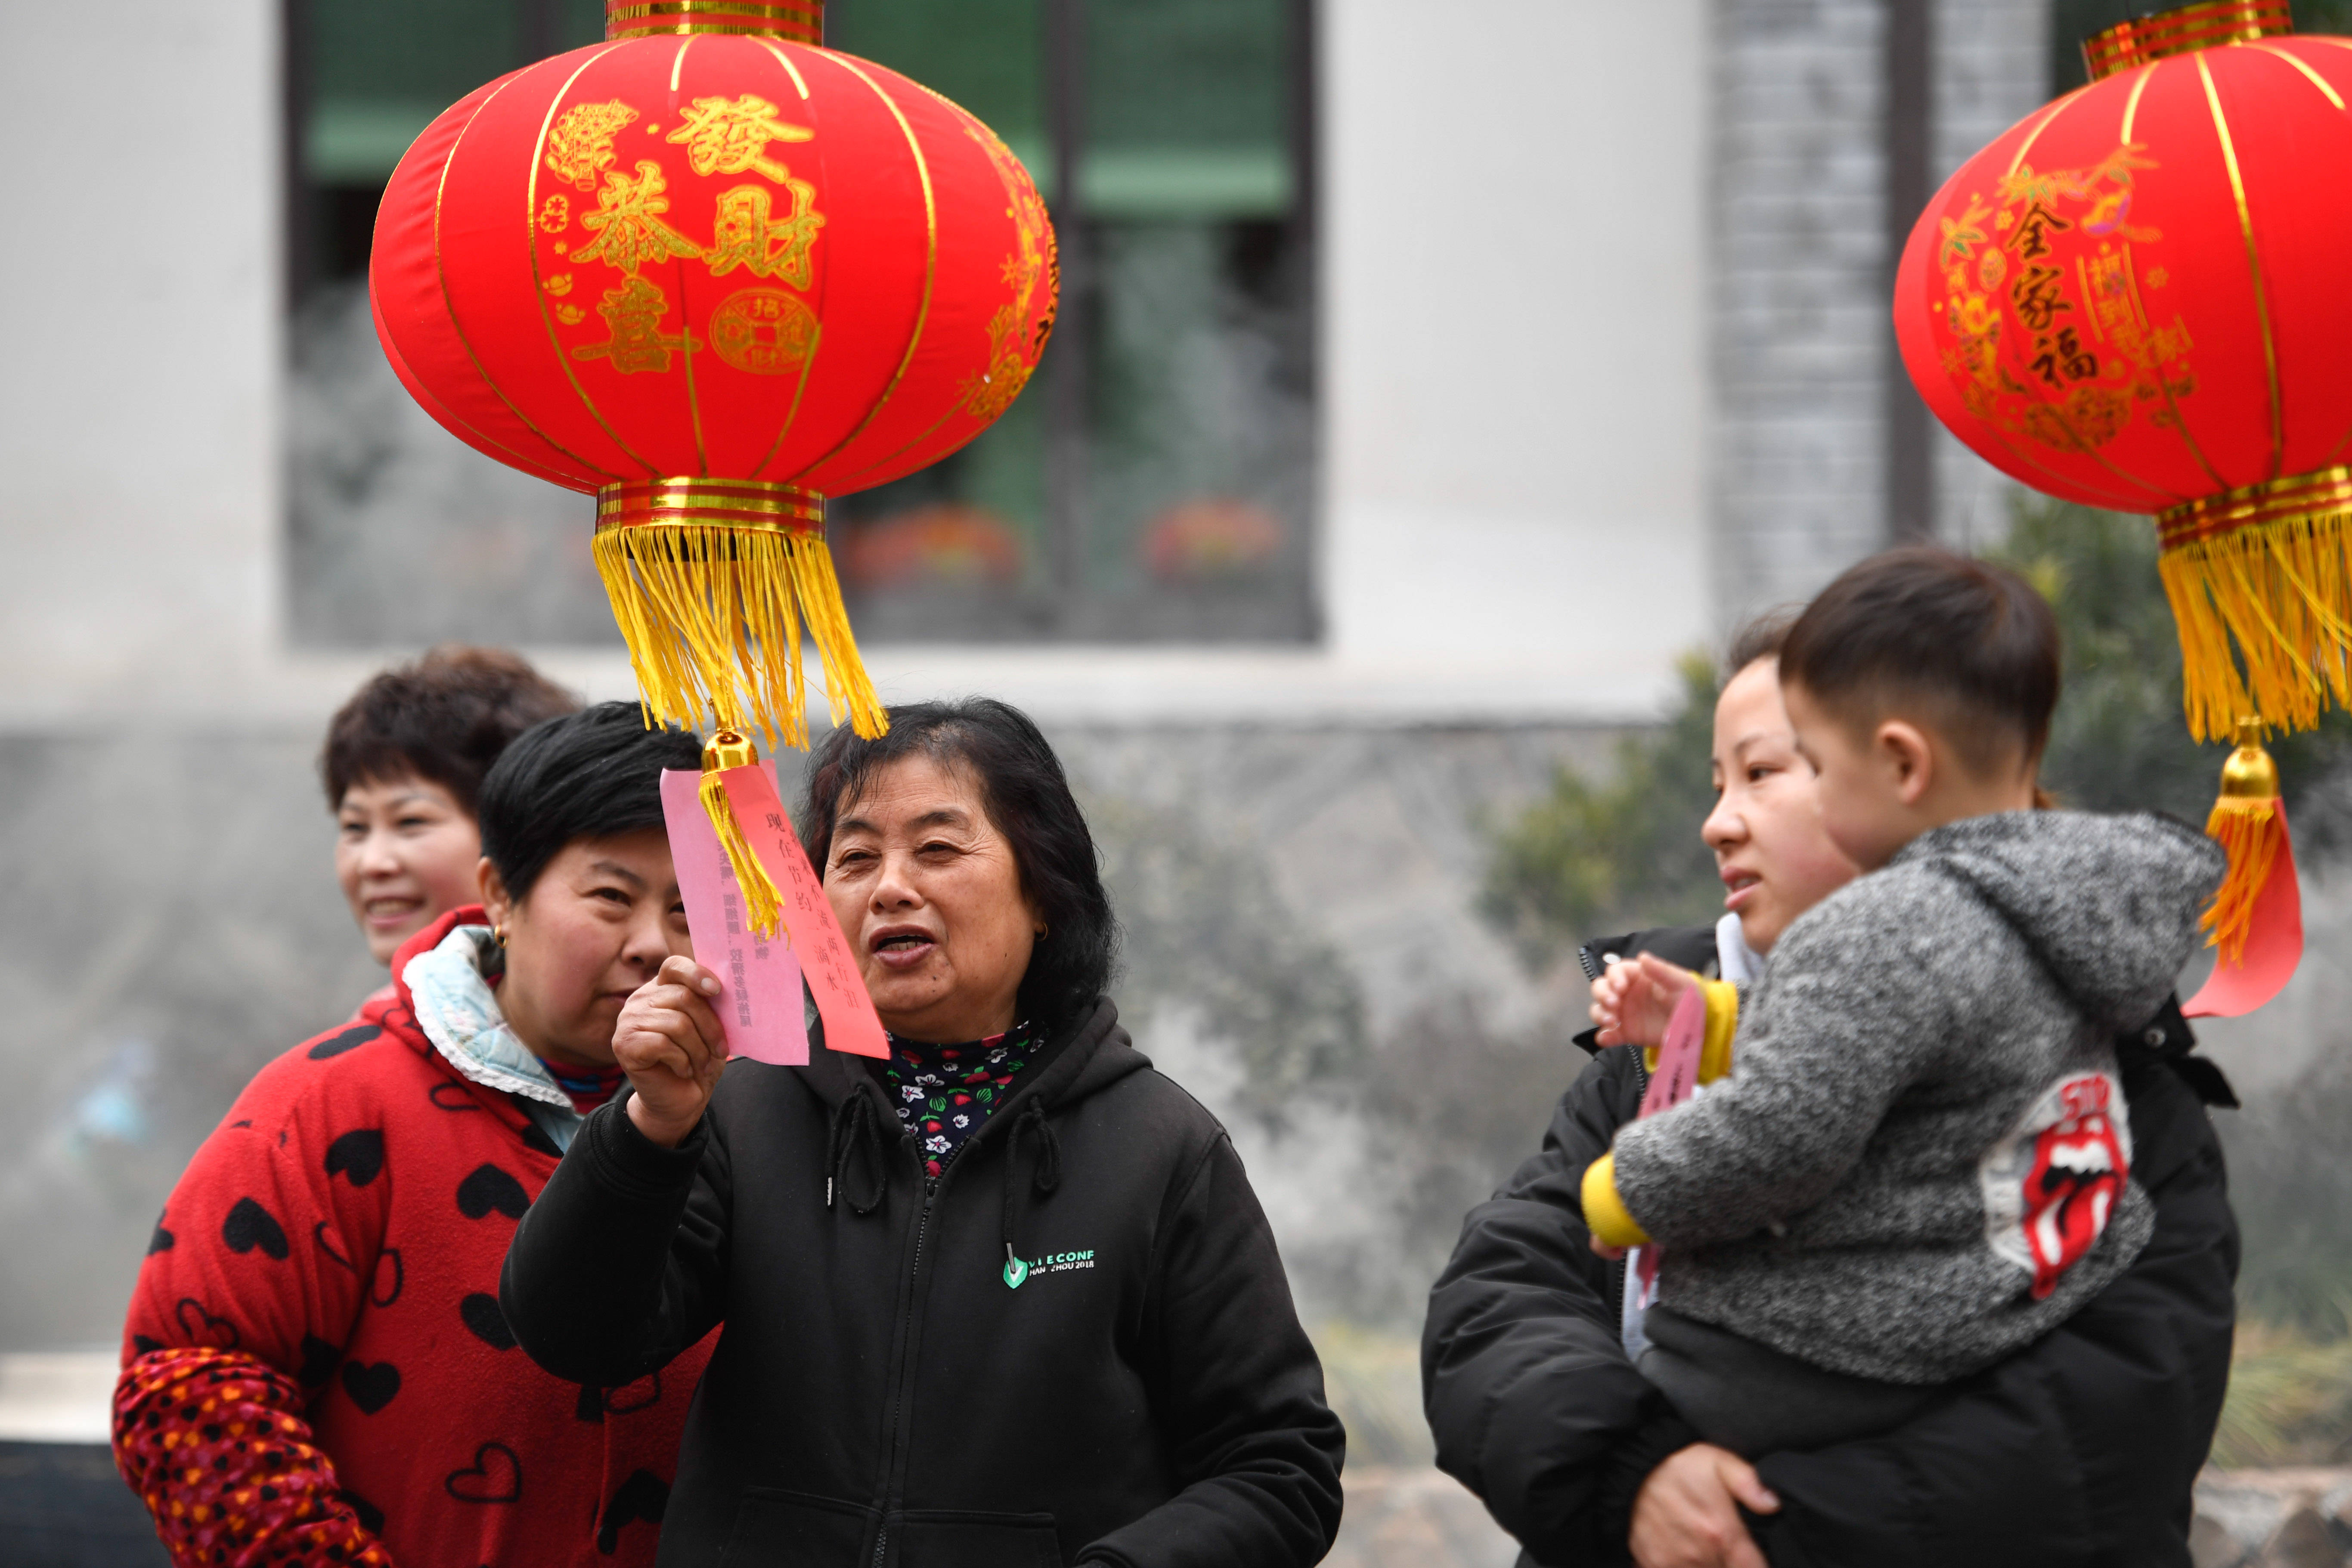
(1515,379)
(140,312)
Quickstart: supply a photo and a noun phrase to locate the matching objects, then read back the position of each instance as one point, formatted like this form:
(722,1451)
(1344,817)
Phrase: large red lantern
(2135,299)
(714,273)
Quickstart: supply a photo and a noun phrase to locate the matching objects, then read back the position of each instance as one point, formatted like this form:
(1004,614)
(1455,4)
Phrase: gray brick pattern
(1799,334)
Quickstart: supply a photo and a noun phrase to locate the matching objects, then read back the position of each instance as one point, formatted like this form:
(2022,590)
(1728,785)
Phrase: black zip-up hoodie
(1076,1344)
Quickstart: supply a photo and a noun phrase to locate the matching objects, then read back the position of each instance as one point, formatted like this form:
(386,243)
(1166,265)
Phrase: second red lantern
(2134,300)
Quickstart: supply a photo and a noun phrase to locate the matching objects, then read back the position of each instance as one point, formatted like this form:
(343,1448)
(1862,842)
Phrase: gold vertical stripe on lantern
(711,582)
(2268,568)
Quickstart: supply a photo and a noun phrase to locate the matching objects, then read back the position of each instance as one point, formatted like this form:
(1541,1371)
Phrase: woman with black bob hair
(1004,1299)
(325,1274)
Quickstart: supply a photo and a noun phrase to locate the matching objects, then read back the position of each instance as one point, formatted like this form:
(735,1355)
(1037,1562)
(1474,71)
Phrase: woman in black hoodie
(1006,1298)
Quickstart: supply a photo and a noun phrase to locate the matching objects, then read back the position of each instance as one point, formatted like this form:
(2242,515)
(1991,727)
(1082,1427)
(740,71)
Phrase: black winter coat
(2079,1451)
(1078,1343)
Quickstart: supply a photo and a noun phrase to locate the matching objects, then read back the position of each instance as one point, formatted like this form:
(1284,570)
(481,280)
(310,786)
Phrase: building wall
(1515,378)
(1993,69)
(139,419)
(1802,336)
(1597,305)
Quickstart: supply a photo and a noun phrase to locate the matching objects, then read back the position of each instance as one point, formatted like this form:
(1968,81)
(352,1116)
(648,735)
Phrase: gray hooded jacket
(1919,1163)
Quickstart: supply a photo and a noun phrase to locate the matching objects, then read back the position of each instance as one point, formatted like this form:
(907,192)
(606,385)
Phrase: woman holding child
(1957,1418)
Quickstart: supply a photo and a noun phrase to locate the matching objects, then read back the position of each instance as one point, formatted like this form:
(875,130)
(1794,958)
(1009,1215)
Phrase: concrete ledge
(57,1397)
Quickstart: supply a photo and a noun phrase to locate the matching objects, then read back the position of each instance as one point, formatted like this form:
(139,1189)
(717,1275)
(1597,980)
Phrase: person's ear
(1909,759)
(495,902)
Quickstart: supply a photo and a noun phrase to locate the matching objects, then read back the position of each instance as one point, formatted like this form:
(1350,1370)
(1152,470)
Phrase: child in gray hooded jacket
(1921,1161)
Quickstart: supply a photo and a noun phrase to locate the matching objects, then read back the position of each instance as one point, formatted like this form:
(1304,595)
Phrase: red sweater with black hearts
(315,1368)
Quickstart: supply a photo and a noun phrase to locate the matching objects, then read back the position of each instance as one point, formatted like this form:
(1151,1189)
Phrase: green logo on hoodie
(1019,1270)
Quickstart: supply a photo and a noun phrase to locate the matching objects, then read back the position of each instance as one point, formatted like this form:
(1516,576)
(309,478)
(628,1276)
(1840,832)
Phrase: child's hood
(2108,903)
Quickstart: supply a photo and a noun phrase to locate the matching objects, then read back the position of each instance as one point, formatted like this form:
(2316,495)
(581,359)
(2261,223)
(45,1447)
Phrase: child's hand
(1633,1001)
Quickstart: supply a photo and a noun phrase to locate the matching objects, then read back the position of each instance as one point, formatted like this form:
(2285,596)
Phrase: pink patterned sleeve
(214,1443)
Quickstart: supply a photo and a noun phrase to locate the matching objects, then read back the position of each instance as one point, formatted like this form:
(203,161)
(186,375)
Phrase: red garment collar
(425,941)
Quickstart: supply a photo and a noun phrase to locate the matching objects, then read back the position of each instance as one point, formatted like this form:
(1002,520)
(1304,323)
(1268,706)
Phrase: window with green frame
(1155,482)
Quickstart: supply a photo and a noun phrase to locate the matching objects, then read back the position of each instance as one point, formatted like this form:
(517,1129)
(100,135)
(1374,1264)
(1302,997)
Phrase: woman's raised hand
(670,1043)
(1633,1001)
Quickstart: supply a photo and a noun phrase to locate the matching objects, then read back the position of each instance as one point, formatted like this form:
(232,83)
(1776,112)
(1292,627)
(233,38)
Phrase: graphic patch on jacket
(2051,1184)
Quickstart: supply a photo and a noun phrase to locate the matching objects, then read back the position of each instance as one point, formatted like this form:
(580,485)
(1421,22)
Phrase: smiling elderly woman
(1006,1298)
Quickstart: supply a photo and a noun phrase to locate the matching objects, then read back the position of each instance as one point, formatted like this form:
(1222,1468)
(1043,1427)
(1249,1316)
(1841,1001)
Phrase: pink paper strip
(1678,1054)
(760,1007)
(1676,1080)
(850,1022)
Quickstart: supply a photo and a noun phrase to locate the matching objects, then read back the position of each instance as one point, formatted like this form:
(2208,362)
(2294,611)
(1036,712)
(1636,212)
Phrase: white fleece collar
(460,1014)
(1735,959)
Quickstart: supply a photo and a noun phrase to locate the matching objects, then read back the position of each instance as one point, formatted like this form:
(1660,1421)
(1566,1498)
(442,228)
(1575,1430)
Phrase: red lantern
(715,273)
(2135,299)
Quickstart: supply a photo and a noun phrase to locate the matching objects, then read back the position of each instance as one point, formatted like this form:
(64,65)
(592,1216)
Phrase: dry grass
(1373,1380)
(2290,1400)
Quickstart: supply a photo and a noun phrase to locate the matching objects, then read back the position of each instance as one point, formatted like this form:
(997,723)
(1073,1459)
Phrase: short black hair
(1924,625)
(1028,799)
(1760,637)
(596,774)
(445,718)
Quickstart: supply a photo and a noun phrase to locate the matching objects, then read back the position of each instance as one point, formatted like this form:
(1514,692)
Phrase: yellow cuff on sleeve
(1605,1215)
(1722,1024)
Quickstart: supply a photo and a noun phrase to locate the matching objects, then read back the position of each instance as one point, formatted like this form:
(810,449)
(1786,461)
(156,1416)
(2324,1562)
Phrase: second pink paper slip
(761,1007)
(1676,1080)
(850,1022)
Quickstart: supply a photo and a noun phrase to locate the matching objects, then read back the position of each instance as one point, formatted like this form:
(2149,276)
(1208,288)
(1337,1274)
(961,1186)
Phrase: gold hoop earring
(499,933)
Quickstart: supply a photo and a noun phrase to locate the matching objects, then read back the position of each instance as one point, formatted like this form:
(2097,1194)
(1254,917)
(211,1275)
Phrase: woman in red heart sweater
(316,1369)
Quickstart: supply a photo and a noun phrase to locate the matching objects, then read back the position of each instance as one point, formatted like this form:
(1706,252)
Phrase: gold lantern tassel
(711,581)
(2247,823)
(2261,577)
(762,904)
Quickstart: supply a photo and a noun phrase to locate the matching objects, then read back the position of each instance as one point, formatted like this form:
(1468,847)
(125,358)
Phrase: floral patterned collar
(944,1094)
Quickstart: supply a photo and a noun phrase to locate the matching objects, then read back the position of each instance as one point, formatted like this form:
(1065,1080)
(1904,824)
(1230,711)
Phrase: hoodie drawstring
(855,1133)
(1031,1123)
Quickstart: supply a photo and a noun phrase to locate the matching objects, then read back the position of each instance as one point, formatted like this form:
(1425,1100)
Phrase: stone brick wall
(1800,338)
(1992,67)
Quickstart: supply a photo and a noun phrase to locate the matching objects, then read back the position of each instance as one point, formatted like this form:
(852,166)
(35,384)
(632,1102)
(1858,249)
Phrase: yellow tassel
(2247,823)
(2264,612)
(763,905)
(713,616)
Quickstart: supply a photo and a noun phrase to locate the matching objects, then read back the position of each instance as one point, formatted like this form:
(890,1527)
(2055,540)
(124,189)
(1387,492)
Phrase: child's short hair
(445,718)
(1922,624)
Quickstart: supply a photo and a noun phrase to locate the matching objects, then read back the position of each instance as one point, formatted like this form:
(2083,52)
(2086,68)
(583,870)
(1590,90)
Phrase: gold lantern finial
(2176,32)
(795,21)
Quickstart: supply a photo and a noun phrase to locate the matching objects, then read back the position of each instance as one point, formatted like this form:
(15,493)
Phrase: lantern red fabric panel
(2135,299)
(713,256)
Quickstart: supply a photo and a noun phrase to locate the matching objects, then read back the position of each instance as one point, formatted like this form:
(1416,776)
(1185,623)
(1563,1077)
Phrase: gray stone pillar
(1800,291)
